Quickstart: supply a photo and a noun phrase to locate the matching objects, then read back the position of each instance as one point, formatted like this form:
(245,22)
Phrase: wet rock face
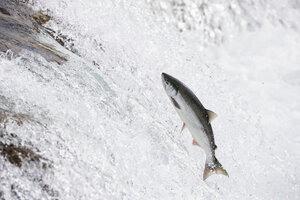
(11,147)
(23,155)
(21,28)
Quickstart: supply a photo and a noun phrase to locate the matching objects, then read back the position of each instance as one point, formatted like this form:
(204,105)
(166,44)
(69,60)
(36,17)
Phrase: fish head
(170,84)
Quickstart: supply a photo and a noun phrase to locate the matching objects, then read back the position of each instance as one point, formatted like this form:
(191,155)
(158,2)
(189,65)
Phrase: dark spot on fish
(175,103)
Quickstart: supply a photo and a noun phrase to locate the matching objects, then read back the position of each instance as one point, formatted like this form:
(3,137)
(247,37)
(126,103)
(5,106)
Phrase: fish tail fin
(213,168)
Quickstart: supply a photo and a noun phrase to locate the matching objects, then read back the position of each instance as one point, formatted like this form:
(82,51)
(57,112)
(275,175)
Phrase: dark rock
(16,154)
(4,11)
(50,191)
(10,144)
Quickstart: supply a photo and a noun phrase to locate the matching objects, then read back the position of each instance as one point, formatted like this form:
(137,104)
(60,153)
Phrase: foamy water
(103,123)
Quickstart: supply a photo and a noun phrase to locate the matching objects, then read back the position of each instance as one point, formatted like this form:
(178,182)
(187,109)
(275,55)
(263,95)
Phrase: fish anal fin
(211,115)
(195,142)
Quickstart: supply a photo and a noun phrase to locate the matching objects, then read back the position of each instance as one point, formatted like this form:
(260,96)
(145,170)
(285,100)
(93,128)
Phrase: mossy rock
(41,17)
(16,155)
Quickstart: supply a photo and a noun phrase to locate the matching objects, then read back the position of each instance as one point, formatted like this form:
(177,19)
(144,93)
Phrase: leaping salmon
(197,119)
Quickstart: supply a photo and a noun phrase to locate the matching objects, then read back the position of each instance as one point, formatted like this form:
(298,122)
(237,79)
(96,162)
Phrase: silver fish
(197,119)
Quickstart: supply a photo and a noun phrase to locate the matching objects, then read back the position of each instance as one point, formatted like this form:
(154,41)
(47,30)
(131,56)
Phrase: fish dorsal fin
(211,115)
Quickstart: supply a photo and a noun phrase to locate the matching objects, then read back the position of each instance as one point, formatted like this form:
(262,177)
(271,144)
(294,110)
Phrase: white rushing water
(104,122)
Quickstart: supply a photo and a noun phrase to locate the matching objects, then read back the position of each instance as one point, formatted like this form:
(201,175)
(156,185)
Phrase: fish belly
(201,138)
(194,125)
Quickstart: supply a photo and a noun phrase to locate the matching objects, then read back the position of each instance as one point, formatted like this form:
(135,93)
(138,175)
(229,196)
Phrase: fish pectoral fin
(183,126)
(175,103)
(211,115)
(195,142)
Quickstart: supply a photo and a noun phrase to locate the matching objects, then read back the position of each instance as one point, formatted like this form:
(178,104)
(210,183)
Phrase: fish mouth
(164,77)
(167,79)
(168,85)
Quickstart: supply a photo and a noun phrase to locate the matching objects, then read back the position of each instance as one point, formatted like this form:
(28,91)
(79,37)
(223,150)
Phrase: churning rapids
(83,114)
